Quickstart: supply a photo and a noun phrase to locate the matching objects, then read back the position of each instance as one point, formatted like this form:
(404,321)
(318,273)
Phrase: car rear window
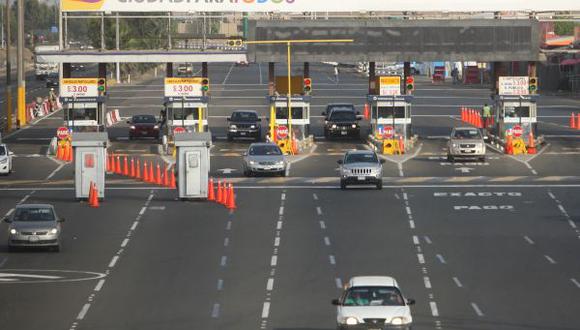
(33,214)
(361,158)
(346,115)
(467,134)
(244,116)
(144,119)
(265,150)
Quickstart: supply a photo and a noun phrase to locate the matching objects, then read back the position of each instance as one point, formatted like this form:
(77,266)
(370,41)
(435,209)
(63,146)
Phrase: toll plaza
(84,104)
(90,154)
(390,115)
(185,107)
(193,164)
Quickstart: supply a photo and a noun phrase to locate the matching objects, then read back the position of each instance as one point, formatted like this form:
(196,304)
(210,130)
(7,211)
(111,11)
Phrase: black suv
(244,123)
(341,120)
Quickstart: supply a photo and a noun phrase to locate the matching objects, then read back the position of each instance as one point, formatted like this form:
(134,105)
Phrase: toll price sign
(390,85)
(79,87)
(514,86)
(185,87)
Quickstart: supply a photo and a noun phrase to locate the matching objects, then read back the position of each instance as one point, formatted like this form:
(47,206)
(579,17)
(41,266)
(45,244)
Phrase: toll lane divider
(113,117)
(36,110)
(148,173)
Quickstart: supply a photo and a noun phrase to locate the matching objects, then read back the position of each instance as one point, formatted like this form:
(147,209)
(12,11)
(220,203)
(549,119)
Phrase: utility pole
(9,109)
(21,121)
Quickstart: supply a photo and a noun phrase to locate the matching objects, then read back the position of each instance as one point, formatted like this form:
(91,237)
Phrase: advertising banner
(298,6)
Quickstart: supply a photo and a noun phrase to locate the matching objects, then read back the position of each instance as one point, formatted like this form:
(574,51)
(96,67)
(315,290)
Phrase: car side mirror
(410,302)
(10,153)
(382,161)
(486,138)
(340,161)
(335,302)
(7,220)
(128,122)
(228,119)
(244,154)
(358,117)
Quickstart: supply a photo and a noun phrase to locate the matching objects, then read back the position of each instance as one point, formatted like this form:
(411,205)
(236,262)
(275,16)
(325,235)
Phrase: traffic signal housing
(533,85)
(410,84)
(235,43)
(205,84)
(102,86)
(307,86)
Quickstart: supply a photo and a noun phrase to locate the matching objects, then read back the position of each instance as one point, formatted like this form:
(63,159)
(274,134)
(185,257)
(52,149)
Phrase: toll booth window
(515,112)
(282,113)
(83,114)
(89,160)
(185,114)
(389,112)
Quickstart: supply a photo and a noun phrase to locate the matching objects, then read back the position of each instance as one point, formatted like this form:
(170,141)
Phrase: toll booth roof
(80,139)
(192,139)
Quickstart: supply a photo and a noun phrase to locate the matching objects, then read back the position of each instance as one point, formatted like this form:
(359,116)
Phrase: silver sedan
(264,158)
(34,225)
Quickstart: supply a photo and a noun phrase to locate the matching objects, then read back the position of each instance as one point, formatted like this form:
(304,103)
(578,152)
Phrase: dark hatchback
(341,120)
(244,124)
(143,126)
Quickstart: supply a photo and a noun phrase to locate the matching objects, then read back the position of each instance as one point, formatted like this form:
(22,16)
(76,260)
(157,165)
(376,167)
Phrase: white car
(373,303)
(5,160)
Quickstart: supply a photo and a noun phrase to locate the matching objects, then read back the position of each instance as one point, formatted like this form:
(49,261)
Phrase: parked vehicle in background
(143,126)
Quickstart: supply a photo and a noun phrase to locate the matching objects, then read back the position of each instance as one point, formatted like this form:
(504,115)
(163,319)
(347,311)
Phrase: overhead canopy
(298,6)
(140,56)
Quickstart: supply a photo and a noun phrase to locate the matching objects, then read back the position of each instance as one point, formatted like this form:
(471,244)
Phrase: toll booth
(515,105)
(299,118)
(193,164)
(84,104)
(392,112)
(185,107)
(90,155)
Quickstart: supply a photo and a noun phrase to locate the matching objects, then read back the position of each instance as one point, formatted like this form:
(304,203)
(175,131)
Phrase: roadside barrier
(113,117)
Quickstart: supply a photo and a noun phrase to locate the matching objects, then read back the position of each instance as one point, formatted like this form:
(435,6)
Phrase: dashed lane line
(99,285)
(529,240)
(576,283)
(113,261)
(83,312)
(477,309)
(434,309)
(457,282)
(550,259)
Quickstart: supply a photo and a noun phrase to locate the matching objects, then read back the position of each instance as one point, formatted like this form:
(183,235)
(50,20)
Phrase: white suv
(5,160)
(373,303)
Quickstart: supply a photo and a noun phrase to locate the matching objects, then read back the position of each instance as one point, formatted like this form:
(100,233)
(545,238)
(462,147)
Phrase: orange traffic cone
(118,165)
(578,121)
(172,184)
(166,176)
(366,112)
(145,172)
(531,144)
(91,192)
(210,191)
(65,153)
(95,202)
(132,173)
(108,163)
(59,151)
(220,193)
(401,145)
(509,148)
(572,120)
(231,204)
(71,156)
(151,176)
(158,179)
(226,200)
(138,170)
(125,167)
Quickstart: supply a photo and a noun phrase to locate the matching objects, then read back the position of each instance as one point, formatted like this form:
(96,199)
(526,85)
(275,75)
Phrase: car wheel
(451,158)
(342,184)
(380,184)
(230,138)
(11,248)
(482,159)
(247,173)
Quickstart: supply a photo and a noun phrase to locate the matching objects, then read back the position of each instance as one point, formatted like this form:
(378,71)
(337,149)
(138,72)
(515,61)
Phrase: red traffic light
(410,80)
(307,85)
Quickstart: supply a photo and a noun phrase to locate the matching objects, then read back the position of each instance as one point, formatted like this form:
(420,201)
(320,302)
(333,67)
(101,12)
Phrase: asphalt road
(488,245)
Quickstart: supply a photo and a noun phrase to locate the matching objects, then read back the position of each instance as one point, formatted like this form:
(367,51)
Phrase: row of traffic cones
(473,117)
(225,194)
(64,152)
(93,195)
(575,121)
(164,178)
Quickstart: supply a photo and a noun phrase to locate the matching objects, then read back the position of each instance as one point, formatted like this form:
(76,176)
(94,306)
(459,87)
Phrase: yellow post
(21,105)
(272,122)
(9,109)
(200,119)
(289,94)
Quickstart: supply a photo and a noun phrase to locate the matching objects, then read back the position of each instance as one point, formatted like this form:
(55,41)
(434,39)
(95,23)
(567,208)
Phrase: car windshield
(345,115)
(145,119)
(466,134)
(360,158)
(2,151)
(244,116)
(373,296)
(265,150)
(33,214)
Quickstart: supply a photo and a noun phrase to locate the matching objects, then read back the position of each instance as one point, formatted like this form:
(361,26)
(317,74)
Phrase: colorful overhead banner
(298,6)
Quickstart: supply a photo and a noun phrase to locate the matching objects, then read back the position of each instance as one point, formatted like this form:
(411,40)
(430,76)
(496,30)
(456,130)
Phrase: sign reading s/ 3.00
(79,87)
(189,87)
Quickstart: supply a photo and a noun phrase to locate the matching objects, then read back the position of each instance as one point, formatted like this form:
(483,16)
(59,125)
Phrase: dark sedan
(143,126)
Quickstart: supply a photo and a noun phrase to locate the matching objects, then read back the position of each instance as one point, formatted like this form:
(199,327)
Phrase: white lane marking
(572,224)
(3,262)
(477,309)
(229,225)
(441,259)
(529,240)
(562,209)
(400,165)
(288,169)
(53,173)
(281,212)
(277,241)
(457,282)
(134,226)
(124,243)
(326,241)
(415,240)
(338,283)
(279,225)
(9,212)
(550,260)
(270,284)
(283,197)
(274,261)
(228,74)
(421,258)
(215,311)
(83,311)
(99,285)
(434,310)
(220,284)
(113,261)
(332,260)
(315,197)
(223,261)
(318,210)
(427,282)
(412,224)
(226,241)
(575,282)
(150,197)
(405,197)
(408,209)
(322,225)
(266,310)
(143,209)
(24,199)
(260,73)
(551,195)
(428,240)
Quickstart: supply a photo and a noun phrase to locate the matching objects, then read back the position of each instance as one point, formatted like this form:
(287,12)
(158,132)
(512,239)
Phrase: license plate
(343,132)
(242,133)
(361,178)
(33,239)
